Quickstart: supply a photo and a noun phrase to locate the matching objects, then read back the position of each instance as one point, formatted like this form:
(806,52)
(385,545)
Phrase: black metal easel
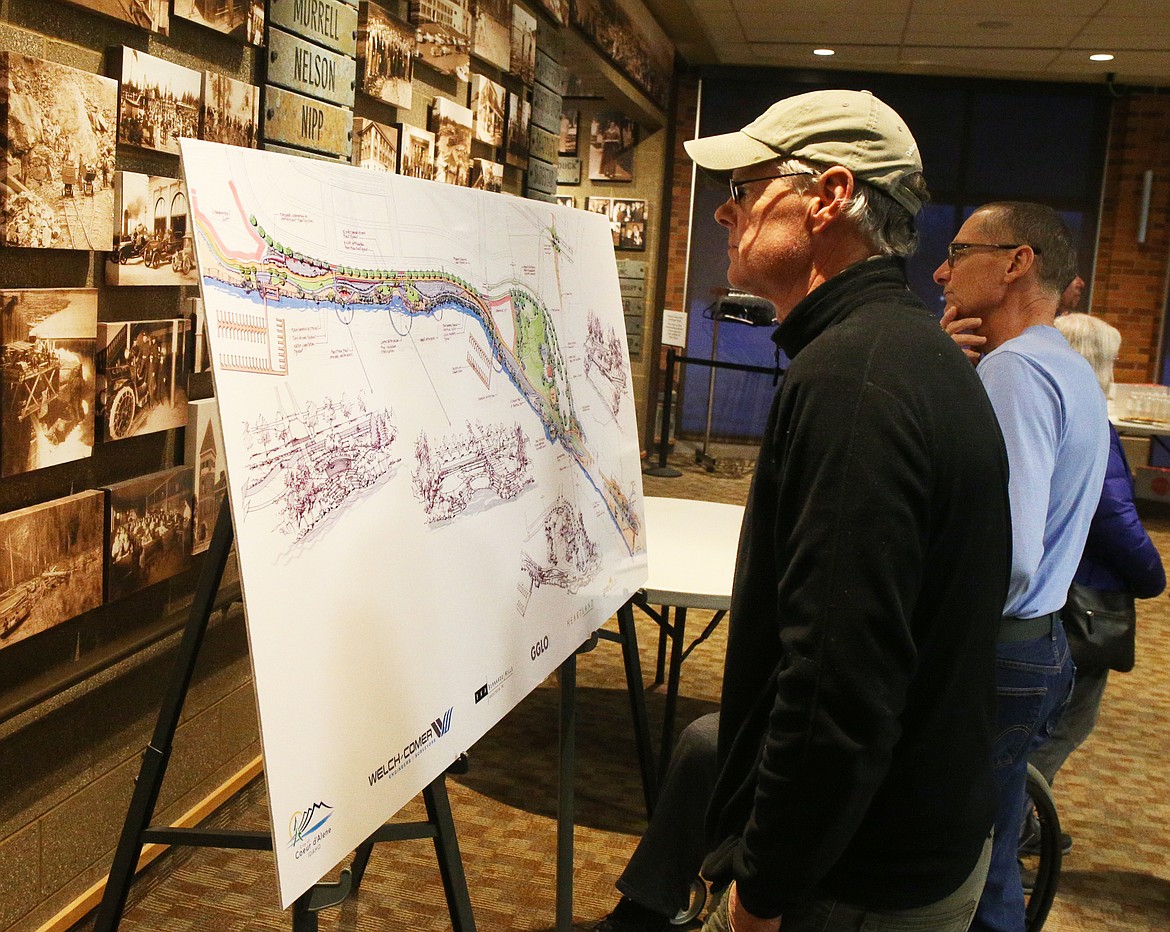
(136,831)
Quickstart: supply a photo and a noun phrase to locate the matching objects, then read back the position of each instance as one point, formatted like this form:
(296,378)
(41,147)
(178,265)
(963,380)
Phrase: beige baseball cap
(849,128)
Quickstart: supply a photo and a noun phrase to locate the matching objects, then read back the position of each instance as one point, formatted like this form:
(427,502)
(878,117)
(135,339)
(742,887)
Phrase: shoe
(629,916)
(1027,879)
(1030,844)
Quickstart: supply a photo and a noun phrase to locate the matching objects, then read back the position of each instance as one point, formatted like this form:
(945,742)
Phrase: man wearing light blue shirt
(1003,278)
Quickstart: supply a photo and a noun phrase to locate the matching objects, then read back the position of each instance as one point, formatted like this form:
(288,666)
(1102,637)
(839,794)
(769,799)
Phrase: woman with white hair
(1119,556)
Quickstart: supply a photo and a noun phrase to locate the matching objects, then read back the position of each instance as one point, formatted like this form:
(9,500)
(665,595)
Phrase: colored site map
(432,466)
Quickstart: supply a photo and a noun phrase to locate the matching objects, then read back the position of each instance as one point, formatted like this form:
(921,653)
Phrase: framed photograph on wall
(516,132)
(522,60)
(568,140)
(141,377)
(629,216)
(158,101)
(50,564)
(153,242)
(612,136)
(492,39)
(230,111)
(386,47)
(47,379)
(150,520)
(487,175)
(375,145)
(451,124)
(240,19)
(153,15)
(57,139)
(566,200)
(416,152)
(487,106)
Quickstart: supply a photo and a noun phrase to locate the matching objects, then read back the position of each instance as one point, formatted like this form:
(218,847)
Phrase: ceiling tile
(965,31)
(979,60)
(800,56)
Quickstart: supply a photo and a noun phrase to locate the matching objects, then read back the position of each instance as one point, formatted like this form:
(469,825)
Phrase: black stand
(667,472)
(136,831)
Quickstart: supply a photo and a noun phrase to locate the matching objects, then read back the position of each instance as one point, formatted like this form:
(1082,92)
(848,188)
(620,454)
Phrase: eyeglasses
(954,250)
(737,186)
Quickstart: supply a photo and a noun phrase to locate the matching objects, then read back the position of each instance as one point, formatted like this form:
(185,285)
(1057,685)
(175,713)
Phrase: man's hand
(740,920)
(960,329)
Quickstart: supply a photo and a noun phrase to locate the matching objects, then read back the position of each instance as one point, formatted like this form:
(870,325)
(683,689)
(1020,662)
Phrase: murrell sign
(332,23)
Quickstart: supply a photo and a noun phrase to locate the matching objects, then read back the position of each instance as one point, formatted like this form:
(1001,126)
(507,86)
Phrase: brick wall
(1129,290)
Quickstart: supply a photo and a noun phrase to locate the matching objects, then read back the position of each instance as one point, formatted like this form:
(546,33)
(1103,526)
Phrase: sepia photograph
(386,50)
(48,377)
(204,454)
(631,38)
(158,101)
(566,200)
(57,141)
(493,32)
(230,111)
(153,15)
(487,107)
(630,216)
(150,519)
(522,59)
(443,35)
(375,145)
(557,9)
(240,19)
(516,132)
(604,206)
(612,136)
(141,377)
(197,345)
(451,124)
(487,175)
(50,564)
(568,141)
(416,152)
(153,243)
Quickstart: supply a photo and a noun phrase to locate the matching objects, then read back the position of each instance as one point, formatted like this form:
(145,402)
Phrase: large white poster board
(432,465)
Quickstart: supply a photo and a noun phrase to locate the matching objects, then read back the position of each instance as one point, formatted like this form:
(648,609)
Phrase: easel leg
(635,689)
(361,860)
(158,752)
(304,918)
(447,852)
(565,801)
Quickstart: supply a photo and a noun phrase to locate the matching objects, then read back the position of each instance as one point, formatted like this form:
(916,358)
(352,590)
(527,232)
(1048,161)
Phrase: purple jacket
(1119,555)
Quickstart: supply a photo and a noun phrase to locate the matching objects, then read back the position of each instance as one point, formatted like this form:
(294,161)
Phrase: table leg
(635,688)
(677,636)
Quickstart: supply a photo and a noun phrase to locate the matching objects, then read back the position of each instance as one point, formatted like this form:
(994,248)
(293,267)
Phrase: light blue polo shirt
(1055,426)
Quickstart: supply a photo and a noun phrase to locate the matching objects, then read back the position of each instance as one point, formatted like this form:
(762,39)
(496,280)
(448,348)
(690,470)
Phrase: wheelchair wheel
(1047,865)
(695,907)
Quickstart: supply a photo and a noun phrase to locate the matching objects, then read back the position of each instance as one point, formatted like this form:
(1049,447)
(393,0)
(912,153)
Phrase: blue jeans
(1033,682)
(950,914)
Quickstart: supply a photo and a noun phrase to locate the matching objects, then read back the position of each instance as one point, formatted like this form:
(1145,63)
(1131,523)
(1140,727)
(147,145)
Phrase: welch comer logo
(415,746)
(306,828)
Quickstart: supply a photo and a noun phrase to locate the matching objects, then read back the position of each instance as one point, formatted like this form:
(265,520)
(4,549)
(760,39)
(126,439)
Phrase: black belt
(1026,629)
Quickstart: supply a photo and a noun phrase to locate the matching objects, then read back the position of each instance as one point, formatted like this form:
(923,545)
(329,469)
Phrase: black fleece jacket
(858,698)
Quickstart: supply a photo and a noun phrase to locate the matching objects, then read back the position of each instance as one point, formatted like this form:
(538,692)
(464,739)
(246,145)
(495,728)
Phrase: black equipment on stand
(737,308)
(136,830)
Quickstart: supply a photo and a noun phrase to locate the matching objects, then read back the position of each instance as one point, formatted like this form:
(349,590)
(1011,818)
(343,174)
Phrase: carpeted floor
(1114,798)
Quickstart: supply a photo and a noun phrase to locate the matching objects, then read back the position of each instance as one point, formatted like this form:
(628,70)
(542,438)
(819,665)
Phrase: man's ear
(833,191)
(1023,260)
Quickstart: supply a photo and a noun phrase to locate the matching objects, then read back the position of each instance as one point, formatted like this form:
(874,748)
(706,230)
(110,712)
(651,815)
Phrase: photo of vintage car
(142,377)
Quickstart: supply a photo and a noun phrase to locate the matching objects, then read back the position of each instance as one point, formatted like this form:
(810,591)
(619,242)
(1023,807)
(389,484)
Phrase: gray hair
(1040,227)
(1094,339)
(883,223)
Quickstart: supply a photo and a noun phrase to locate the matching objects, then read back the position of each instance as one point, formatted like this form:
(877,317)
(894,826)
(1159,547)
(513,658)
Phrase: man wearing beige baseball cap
(847,776)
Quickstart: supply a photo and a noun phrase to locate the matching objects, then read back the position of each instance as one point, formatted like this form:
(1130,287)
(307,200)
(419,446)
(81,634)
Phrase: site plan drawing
(432,465)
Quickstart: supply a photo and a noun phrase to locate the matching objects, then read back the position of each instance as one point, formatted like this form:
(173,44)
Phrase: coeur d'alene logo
(302,825)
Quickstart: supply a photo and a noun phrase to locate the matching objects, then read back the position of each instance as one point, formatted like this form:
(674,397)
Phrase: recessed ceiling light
(1101,56)
(824,52)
